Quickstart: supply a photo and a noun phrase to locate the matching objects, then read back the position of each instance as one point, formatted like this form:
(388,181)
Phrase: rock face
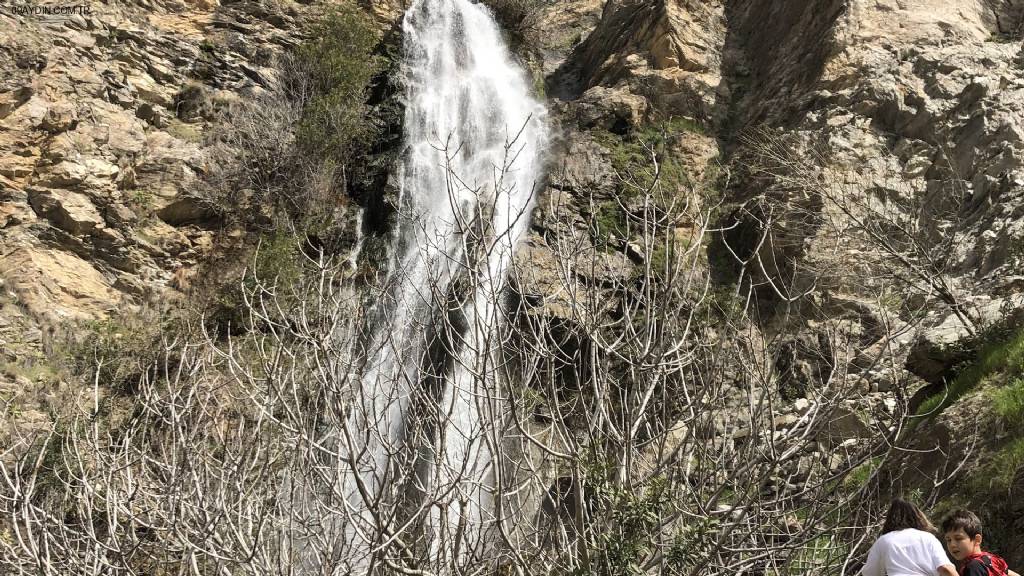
(857,126)
(103,118)
(910,109)
(102,124)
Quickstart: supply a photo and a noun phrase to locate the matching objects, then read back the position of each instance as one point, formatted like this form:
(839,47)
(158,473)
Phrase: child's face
(960,545)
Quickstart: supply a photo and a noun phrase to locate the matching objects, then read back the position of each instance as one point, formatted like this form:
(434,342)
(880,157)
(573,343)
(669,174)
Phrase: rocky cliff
(860,164)
(105,118)
(875,188)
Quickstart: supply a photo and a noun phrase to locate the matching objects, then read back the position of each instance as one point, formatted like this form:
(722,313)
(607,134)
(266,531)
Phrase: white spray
(475,142)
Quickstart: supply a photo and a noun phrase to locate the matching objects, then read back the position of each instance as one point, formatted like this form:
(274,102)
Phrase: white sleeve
(936,553)
(873,566)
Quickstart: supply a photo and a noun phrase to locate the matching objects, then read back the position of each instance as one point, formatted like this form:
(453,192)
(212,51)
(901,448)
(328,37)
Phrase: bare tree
(642,429)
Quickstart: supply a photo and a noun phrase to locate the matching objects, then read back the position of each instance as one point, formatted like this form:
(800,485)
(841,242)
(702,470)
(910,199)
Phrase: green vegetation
(277,264)
(822,551)
(997,476)
(860,475)
(339,65)
(663,257)
(631,157)
(610,222)
(1008,403)
(691,544)
(142,198)
(1004,356)
(633,518)
(117,350)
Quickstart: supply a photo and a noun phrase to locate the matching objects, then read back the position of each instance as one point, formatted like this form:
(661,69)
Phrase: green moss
(631,155)
(610,224)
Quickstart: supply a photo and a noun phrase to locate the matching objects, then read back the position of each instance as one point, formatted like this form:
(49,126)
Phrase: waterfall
(475,140)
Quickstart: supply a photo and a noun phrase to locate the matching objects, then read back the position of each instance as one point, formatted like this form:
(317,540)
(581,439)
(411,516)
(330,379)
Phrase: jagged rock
(57,285)
(70,211)
(610,109)
(946,340)
(843,425)
(667,52)
(185,210)
(60,117)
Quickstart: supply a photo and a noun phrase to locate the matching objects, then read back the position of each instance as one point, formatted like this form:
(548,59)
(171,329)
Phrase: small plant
(611,224)
(207,45)
(142,198)
(1008,403)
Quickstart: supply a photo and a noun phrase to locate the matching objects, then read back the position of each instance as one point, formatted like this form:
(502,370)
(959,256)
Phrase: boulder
(58,285)
(67,210)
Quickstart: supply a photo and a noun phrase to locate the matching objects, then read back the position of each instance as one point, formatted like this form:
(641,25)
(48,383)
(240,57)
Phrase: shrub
(118,349)
(276,266)
(335,68)
(610,224)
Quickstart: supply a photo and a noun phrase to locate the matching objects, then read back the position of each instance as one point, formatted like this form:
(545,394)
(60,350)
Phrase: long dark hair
(902,515)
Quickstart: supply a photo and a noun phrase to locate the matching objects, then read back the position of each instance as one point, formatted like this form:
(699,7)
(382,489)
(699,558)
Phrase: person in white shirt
(908,546)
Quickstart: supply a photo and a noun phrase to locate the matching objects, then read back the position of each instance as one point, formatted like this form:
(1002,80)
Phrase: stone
(185,210)
(69,211)
(610,109)
(149,91)
(842,426)
(60,117)
(55,284)
(945,340)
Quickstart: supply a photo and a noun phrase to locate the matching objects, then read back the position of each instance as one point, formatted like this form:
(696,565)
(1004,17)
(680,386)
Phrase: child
(962,530)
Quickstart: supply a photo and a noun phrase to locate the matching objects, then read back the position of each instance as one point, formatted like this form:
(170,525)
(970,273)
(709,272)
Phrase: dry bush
(641,430)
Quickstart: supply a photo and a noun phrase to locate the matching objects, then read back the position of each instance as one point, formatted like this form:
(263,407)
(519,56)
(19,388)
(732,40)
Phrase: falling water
(475,142)
(357,248)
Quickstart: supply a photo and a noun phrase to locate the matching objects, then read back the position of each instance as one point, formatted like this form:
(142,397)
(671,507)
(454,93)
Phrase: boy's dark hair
(962,520)
(903,515)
